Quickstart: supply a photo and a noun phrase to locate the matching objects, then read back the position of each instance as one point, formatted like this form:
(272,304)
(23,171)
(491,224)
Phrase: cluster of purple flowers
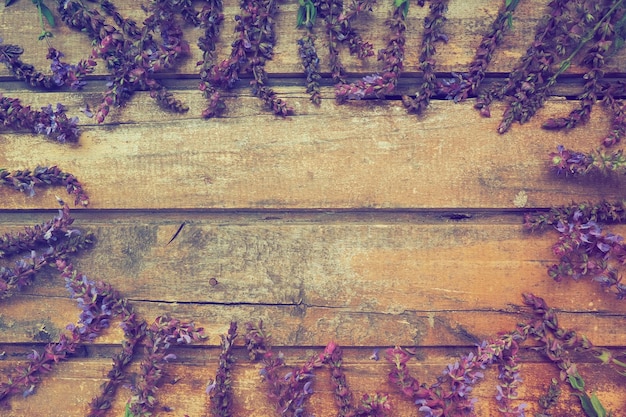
(51,244)
(71,75)
(289,390)
(450,395)
(220,390)
(63,74)
(570,162)
(50,121)
(584,249)
(132,54)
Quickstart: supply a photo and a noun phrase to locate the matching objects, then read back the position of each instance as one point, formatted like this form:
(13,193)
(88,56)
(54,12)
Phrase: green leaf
(399,3)
(577,382)
(301,16)
(597,406)
(585,402)
(403,5)
(47,14)
(312,12)
(307,12)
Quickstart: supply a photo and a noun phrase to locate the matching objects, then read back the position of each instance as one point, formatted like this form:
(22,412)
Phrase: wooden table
(356,223)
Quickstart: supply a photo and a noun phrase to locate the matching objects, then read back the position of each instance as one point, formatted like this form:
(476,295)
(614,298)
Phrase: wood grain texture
(194,368)
(409,280)
(365,155)
(355,223)
(467,22)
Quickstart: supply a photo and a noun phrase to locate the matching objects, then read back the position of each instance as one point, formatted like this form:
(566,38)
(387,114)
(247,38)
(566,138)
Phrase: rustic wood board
(366,155)
(355,223)
(194,368)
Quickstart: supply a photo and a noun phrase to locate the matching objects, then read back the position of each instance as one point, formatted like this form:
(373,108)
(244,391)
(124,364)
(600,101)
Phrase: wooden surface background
(355,223)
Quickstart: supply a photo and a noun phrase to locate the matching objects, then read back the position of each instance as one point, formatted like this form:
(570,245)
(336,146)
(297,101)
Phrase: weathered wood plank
(29,319)
(410,279)
(366,155)
(382,267)
(466,24)
(79,380)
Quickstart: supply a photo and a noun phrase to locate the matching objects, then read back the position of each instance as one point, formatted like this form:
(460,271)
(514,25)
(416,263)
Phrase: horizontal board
(365,155)
(467,22)
(79,380)
(406,279)
(33,319)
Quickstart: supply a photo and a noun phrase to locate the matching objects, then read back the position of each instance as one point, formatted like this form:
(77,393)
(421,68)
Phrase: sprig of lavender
(62,73)
(376,85)
(568,162)
(555,344)
(464,85)
(338,29)
(333,356)
(50,233)
(525,84)
(356,44)
(433,33)
(311,66)
(51,122)
(288,391)
(602,212)
(98,304)
(26,180)
(160,336)
(253,47)
(220,390)
(584,249)
(376,405)
(549,399)
(618,113)
(210,19)
(605,39)
(134,332)
(132,55)
(55,236)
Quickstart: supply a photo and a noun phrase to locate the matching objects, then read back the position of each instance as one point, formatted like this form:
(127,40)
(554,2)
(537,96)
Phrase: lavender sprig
(584,249)
(134,332)
(62,72)
(220,390)
(210,19)
(52,122)
(618,113)
(376,85)
(462,86)
(555,343)
(356,44)
(98,306)
(338,28)
(133,56)
(288,391)
(333,356)
(525,85)
(311,66)
(160,336)
(568,162)
(605,38)
(602,212)
(253,47)
(26,181)
(433,25)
